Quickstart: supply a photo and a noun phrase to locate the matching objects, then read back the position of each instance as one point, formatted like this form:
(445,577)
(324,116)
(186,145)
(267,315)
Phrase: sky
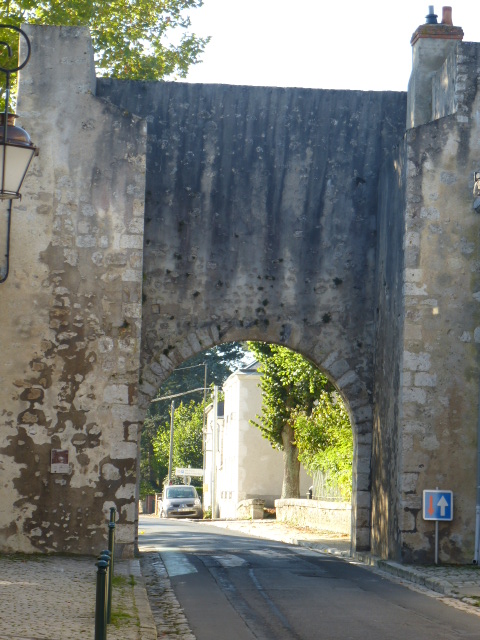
(321,44)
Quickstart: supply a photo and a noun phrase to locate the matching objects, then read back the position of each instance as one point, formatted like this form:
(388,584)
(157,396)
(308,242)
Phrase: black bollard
(111,548)
(105,555)
(100,603)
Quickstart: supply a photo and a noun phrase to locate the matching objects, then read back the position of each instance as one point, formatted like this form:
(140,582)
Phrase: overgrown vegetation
(304,416)
(325,441)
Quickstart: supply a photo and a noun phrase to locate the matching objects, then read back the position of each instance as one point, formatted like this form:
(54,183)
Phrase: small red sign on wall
(59,461)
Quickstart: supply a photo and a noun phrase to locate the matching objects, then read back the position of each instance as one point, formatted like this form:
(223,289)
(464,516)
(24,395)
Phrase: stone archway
(334,365)
(260,223)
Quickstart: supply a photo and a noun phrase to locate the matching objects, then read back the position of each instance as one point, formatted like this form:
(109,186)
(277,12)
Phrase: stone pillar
(71,311)
(440,373)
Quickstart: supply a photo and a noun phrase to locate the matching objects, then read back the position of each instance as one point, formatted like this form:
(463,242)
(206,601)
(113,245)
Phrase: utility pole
(214,452)
(170,458)
(204,434)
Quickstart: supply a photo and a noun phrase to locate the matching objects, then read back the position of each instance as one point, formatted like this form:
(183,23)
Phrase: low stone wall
(250,509)
(316,514)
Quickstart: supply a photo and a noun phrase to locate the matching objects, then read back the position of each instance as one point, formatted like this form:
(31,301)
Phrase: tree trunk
(291,465)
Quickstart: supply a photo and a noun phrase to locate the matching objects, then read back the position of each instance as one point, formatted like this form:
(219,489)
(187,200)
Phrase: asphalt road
(235,587)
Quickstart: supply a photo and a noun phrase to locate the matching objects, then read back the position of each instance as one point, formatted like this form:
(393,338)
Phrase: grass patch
(25,557)
(119,617)
(123,581)
(121,586)
(120,581)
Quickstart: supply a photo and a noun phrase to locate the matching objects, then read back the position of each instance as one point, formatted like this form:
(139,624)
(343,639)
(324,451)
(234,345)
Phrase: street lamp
(16,148)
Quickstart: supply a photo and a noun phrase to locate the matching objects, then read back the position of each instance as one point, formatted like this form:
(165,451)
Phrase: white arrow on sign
(443,504)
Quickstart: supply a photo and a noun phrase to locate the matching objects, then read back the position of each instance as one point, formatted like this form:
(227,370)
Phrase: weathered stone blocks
(73,362)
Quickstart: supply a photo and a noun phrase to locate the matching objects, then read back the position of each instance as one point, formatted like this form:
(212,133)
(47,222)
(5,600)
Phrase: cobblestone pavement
(169,618)
(53,597)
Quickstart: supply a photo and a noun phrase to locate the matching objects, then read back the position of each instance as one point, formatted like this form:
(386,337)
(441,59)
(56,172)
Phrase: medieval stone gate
(162,219)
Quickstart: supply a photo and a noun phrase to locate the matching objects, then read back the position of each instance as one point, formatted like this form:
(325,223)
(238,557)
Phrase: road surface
(235,587)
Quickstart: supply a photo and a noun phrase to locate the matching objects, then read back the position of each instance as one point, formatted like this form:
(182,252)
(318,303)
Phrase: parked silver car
(181,501)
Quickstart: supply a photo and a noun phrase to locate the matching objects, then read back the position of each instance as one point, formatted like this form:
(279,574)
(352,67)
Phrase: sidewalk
(53,598)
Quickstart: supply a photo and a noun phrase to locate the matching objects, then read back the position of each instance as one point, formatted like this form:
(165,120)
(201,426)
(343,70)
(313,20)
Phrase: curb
(148,629)
(417,577)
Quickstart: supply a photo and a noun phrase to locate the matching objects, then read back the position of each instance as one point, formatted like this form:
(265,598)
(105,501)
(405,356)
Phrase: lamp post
(16,148)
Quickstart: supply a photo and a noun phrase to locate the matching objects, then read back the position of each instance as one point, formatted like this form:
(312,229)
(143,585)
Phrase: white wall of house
(247,465)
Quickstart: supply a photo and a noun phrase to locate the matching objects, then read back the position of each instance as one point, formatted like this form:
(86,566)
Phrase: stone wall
(454,84)
(70,311)
(316,514)
(251,509)
(440,360)
(261,223)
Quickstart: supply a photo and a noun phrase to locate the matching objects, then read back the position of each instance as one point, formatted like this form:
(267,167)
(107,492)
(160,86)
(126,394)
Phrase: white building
(246,464)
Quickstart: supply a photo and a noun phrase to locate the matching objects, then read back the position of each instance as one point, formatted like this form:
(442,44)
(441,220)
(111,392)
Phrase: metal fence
(325,487)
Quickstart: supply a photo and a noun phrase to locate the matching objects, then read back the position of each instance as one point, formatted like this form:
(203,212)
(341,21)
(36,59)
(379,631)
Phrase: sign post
(437,505)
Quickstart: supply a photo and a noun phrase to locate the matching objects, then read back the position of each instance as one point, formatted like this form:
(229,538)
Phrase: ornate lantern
(16,148)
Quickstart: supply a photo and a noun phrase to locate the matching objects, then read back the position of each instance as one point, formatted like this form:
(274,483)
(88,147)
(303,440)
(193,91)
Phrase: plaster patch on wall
(410,289)
(416,361)
(415,395)
(430,213)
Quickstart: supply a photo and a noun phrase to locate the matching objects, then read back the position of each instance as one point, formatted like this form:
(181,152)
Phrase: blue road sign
(437,505)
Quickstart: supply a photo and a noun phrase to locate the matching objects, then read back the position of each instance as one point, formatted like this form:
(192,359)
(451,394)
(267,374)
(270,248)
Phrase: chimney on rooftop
(432,16)
(431,44)
(447,16)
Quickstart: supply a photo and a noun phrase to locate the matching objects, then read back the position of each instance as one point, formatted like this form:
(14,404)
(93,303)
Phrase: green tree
(303,415)
(290,386)
(134,39)
(152,470)
(187,439)
(325,441)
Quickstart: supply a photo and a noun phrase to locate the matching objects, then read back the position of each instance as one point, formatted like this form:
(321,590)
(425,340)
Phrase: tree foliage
(325,441)
(303,415)
(289,384)
(220,362)
(187,439)
(134,39)
(152,469)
